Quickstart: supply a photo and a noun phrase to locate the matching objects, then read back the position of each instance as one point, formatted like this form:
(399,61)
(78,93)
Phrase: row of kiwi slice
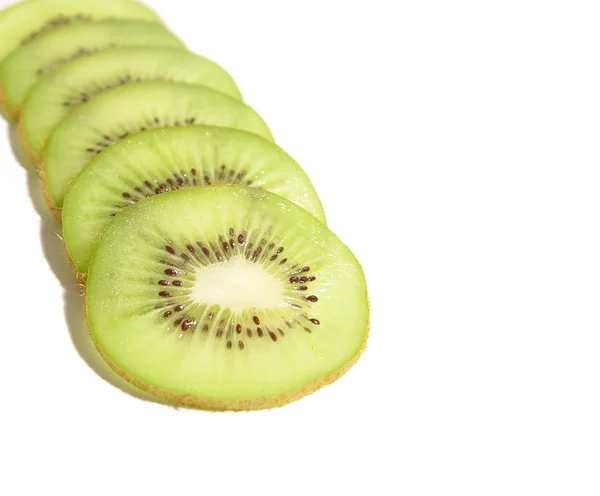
(212,279)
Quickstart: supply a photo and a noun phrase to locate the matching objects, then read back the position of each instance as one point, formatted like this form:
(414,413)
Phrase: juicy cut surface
(225,293)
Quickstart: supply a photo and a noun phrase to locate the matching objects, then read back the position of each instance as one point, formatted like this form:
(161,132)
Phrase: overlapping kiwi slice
(163,160)
(225,298)
(25,66)
(124,111)
(25,21)
(79,82)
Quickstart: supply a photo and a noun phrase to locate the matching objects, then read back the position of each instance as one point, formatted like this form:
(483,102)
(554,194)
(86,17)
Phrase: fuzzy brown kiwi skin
(220,405)
(8,110)
(33,158)
(52,208)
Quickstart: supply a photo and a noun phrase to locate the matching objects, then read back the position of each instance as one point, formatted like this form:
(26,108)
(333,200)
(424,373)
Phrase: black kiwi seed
(187,324)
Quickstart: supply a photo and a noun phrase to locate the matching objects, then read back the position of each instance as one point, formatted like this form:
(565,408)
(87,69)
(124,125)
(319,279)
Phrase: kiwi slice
(163,160)
(78,82)
(23,67)
(25,21)
(225,298)
(123,111)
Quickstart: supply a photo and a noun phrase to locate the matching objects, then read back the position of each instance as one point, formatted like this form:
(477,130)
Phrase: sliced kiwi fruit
(225,298)
(126,110)
(25,21)
(79,82)
(23,67)
(163,160)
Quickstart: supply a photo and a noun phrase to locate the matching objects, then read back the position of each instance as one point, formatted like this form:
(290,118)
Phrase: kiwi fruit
(225,298)
(25,66)
(212,280)
(80,81)
(126,110)
(163,160)
(25,21)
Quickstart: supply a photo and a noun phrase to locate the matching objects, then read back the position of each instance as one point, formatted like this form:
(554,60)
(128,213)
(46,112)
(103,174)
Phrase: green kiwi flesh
(126,110)
(25,21)
(163,160)
(79,82)
(225,298)
(30,63)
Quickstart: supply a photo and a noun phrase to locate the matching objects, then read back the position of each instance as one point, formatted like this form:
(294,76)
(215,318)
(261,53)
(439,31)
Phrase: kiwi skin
(6,108)
(34,161)
(219,405)
(52,208)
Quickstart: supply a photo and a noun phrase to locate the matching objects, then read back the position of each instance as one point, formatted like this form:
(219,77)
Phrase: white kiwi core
(237,284)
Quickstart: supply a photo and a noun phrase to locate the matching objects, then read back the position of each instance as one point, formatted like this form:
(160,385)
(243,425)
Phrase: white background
(455,148)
